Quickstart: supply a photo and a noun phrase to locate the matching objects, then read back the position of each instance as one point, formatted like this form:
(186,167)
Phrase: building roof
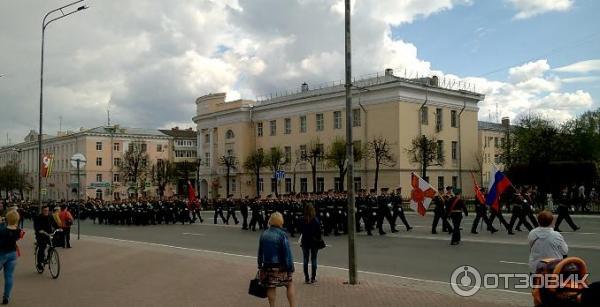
(491,126)
(118,130)
(180,134)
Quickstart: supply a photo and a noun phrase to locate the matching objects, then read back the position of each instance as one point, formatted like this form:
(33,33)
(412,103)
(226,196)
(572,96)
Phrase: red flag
(191,192)
(478,193)
(421,194)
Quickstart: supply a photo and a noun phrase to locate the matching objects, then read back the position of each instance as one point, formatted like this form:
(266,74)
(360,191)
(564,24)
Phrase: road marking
(581,233)
(512,262)
(121,228)
(193,234)
(296,263)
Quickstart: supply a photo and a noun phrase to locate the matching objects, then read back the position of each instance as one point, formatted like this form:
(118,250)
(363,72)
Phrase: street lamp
(44,25)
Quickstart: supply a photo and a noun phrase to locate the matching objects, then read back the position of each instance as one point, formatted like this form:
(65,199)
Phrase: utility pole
(349,153)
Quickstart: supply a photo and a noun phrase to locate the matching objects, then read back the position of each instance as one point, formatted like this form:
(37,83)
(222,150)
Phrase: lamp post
(198,164)
(44,25)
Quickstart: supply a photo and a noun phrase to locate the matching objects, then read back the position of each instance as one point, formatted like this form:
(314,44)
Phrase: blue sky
(477,39)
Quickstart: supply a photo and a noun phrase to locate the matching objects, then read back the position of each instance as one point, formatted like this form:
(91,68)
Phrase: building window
(425,116)
(495,142)
(453,118)
(98,194)
(438,119)
(207,158)
(144,147)
(302,151)
(303,185)
(455,181)
(98,161)
(259,129)
(116,178)
(159,148)
(207,137)
(98,177)
(440,149)
(320,184)
(440,183)
(229,134)
(337,120)
(273,185)
(261,185)
(454,150)
(502,142)
(357,183)
(233,185)
(98,145)
(320,121)
(287,129)
(288,185)
(303,124)
(273,127)
(288,153)
(336,184)
(356,118)
(116,146)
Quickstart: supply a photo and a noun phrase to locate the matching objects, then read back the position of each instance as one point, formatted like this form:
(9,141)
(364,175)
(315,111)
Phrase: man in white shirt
(545,242)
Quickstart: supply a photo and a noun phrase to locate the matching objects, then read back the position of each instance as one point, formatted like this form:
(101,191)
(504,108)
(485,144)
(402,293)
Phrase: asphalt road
(415,254)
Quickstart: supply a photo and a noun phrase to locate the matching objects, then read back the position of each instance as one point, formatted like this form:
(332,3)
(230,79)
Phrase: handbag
(256,288)
(321,244)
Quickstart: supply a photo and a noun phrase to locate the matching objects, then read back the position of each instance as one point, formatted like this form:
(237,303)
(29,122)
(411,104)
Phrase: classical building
(492,144)
(183,152)
(394,108)
(103,147)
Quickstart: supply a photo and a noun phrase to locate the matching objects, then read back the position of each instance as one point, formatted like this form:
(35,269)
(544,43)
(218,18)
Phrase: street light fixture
(45,23)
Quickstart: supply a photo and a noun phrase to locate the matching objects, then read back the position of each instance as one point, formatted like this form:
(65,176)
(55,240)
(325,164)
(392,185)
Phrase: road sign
(79,157)
(280,175)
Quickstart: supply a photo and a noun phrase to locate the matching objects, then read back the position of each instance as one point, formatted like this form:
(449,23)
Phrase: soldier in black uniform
(439,212)
(563,211)
(218,207)
(384,207)
(244,210)
(517,212)
(230,205)
(481,214)
(456,208)
(256,211)
(360,210)
(372,209)
(398,211)
(498,214)
(527,201)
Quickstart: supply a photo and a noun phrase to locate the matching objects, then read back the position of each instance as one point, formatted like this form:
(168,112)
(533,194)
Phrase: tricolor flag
(421,195)
(498,185)
(191,192)
(480,197)
(47,165)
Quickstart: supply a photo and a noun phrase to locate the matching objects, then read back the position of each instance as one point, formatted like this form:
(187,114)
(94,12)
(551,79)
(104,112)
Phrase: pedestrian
(275,262)
(311,241)
(545,242)
(9,235)
(455,211)
(67,221)
(58,240)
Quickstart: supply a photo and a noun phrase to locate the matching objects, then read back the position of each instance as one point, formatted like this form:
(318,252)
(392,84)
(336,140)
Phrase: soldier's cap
(362,190)
(399,189)
(384,189)
(372,190)
(270,195)
(330,190)
(449,188)
(230,195)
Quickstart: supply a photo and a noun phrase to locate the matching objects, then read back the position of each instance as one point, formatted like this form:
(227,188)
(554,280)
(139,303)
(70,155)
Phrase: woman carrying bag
(311,242)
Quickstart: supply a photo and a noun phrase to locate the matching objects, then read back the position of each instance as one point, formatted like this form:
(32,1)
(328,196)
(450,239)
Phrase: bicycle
(52,259)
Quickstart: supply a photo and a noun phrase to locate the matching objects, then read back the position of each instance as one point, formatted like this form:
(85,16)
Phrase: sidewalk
(108,272)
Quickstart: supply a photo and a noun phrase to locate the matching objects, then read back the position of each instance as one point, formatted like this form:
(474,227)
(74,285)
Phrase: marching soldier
(230,206)
(517,212)
(456,208)
(383,210)
(256,214)
(563,211)
(481,214)
(244,204)
(371,211)
(398,211)
(439,212)
(218,206)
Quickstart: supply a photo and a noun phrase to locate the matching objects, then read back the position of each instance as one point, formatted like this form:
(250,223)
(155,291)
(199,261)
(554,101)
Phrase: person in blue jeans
(311,241)
(9,235)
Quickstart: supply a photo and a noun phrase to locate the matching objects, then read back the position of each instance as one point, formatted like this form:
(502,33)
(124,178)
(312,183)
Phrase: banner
(47,165)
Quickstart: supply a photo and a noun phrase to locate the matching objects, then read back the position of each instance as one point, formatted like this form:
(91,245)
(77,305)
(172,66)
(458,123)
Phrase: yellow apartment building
(395,108)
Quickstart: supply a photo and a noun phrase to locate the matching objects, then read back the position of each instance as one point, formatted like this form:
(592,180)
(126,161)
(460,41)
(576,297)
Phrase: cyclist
(42,224)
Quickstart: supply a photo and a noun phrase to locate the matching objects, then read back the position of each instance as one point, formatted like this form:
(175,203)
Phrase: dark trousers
(310,253)
(231,213)
(256,219)
(563,214)
(67,237)
(399,213)
(381,215)
(244,220)
(498,214)
(436,219)
(517,214)
(481,215)
(528,214)
(456,219)
(42,243)
(219,212)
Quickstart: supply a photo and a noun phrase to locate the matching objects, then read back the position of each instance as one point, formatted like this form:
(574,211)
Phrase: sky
(147,61)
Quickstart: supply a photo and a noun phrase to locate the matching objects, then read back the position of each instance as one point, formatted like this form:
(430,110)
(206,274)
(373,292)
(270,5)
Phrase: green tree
(336,157)
(134,166)
(314,155)
(229,163)
(254,163)
(163,173)
(379,149)
(426,152)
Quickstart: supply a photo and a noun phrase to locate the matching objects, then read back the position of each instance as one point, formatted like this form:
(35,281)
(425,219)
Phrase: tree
(275,160)
(379,149)
(336,157)
(426,152)
(163,173)
(230,163)
(183,170)
(254,163)
(134,165)
(313,155)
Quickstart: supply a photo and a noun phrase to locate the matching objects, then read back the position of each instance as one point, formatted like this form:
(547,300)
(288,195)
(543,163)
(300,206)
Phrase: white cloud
(530,8)
(581,79)
(528,71)
(580,67)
